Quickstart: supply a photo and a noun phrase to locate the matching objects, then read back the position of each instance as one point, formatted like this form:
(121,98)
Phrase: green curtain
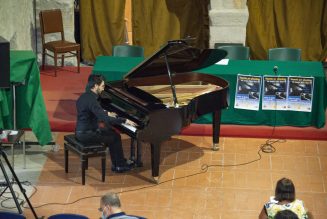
(157,21)
(102,26)
(292,23)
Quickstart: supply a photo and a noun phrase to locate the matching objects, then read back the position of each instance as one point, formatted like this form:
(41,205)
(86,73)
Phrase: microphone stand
(3,155)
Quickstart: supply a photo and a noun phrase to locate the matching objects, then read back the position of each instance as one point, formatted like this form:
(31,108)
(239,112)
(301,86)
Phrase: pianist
(94,124)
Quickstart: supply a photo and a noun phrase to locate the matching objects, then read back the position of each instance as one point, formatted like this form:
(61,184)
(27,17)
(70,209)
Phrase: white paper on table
(223,62)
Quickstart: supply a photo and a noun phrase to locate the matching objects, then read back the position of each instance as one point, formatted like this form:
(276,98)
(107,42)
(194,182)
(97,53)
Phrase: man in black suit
(94,124)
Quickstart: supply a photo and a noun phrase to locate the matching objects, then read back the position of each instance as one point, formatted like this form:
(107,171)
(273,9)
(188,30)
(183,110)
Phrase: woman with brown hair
(284,200)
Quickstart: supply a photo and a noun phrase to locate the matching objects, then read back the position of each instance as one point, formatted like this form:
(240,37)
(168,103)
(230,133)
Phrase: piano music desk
(114,68)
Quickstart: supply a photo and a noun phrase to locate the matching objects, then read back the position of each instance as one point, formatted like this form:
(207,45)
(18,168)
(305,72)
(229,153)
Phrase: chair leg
(43,58)
(62,59)
(66,160)
(103,167)
(83,169)
(78,56)
(55,62)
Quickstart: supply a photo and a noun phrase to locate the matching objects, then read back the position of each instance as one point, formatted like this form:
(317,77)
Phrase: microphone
(275,69)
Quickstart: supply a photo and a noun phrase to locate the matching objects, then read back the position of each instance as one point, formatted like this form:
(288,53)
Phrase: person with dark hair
(284,200)
(110,207)
(286,214)
(94,124)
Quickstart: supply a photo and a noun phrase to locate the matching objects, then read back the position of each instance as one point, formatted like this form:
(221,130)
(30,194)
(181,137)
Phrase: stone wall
(19,27)
(17,23)
(228,19)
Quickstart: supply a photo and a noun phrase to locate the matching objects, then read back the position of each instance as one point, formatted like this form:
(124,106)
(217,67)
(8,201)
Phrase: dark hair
(286,214)
(93,80)
(285,190)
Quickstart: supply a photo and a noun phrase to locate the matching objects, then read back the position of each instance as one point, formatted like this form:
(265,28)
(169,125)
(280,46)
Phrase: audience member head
(109,204)
(286,214)
(95,83)
(285,190)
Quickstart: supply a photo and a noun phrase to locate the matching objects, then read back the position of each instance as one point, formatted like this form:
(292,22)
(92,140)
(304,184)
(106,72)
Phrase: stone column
(228,19)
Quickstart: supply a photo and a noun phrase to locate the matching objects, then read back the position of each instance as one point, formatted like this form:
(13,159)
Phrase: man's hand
(129,122)
(112,114)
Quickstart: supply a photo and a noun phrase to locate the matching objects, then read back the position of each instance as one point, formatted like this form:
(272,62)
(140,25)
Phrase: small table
(11,141)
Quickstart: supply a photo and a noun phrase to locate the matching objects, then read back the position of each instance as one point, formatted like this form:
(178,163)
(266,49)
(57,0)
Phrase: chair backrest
(128,51)
(11,215)
(217,45)
(67,216)
(236,52)
(284,54)
(51,22)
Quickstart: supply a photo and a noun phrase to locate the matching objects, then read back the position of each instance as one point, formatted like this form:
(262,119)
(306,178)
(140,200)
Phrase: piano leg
(216,129)
(132,156)
(155,161)
(138,160)
(139,154)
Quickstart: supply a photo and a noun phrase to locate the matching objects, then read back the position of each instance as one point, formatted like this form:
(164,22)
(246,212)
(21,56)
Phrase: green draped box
(30,107)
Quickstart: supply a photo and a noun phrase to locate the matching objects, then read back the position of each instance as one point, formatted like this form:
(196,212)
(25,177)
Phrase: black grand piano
(161,95)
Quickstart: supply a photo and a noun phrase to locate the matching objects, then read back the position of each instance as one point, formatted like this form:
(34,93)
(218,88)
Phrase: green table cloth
(114,68)
(30,107)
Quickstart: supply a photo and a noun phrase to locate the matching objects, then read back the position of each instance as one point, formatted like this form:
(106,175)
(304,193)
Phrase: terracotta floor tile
(184,191)
(239,215)
(188,199)
(322,147)
(323,163)
(320,204)
(158,198)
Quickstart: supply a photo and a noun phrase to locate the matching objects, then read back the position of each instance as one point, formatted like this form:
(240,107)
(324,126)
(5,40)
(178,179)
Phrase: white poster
(274,93)
(247,95)
(300,95)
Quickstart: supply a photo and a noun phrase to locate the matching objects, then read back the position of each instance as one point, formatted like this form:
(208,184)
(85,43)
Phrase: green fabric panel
(156,22)
(119,66)
(114,68)
(31,111)
(102,26)
(292,23)
(4,109)
(271,117)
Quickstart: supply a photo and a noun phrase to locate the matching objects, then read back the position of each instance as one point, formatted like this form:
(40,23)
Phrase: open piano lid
(181,58)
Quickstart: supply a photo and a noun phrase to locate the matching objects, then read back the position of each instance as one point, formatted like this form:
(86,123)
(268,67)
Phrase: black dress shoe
(120,169)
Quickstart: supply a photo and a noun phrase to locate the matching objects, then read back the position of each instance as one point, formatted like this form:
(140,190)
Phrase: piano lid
(181,58)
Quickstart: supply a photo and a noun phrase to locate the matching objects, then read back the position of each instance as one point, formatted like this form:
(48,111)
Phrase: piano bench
(85,152)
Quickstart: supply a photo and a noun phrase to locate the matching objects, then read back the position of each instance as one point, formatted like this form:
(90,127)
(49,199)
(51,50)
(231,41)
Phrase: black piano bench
(85,152)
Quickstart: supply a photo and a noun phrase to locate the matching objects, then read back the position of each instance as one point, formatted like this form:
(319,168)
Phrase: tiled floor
(186,191)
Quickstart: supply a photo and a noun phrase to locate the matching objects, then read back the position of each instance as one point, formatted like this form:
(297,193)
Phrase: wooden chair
(127,51)
(284,54)
(51,23)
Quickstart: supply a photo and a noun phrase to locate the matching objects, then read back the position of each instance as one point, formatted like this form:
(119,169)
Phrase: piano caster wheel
(156,179)
(215,147)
